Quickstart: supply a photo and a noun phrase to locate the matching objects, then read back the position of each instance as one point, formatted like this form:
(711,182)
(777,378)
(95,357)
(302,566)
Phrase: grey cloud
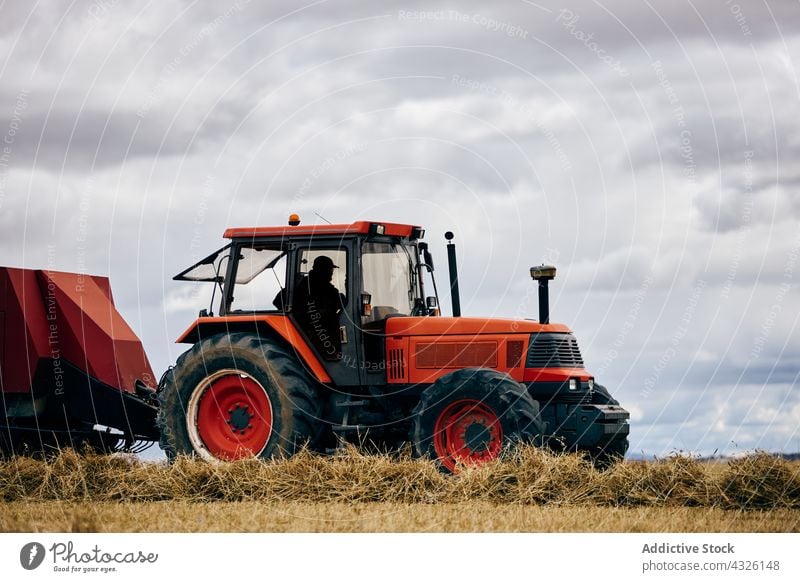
(625,268)
(80,140)
(731,418)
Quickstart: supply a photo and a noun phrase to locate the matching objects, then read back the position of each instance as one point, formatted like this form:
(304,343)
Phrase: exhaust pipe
(451,263)
(544,274)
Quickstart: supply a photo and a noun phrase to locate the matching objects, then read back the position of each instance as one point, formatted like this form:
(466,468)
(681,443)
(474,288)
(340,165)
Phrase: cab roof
(359,227)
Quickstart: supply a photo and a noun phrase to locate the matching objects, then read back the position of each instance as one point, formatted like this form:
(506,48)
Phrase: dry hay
(527,476)
(760,481)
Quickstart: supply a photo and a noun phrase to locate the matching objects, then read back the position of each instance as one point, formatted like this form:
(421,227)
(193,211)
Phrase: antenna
(323,218)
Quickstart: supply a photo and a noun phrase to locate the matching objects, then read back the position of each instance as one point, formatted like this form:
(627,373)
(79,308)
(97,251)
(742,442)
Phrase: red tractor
(324,335)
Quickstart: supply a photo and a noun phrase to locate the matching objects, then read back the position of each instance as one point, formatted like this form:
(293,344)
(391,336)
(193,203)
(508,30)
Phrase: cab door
(344,370)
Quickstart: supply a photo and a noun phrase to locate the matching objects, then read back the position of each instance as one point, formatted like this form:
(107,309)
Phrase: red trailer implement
(72,371)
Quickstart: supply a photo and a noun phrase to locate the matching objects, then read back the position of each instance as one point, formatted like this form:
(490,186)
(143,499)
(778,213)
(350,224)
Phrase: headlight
(590,384)
(573,384)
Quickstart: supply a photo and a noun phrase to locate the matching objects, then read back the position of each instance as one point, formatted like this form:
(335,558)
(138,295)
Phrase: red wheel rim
(234,417)
(468,432)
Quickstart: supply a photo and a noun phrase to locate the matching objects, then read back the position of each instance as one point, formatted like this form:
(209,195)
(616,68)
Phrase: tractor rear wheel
(235,396)
(469,416)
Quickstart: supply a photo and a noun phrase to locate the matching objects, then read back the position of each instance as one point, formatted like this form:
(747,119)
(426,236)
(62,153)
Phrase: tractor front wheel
(469,416)
(235,396)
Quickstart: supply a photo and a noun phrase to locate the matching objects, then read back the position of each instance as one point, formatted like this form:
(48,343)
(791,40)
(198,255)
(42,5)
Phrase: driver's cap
(323,262)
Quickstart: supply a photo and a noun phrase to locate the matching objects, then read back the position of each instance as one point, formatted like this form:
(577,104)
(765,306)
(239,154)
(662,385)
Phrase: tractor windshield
(388,272)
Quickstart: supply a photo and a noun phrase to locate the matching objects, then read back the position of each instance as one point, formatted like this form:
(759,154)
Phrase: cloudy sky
(649,149)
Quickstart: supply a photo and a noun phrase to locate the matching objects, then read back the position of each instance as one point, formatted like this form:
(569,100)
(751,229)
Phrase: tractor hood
(439,326)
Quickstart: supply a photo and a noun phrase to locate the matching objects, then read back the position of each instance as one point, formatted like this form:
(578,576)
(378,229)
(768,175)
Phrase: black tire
(263,364)
(483,392)
(612,452)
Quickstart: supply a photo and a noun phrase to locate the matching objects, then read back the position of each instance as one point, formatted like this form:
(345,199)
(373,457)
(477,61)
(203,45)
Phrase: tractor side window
(260,280)
(337,256)
(387,278)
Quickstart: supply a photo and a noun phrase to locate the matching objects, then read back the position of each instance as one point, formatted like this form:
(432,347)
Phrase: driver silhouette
(317,305)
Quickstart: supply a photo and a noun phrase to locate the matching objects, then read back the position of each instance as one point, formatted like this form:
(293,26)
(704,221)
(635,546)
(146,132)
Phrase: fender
(279,324)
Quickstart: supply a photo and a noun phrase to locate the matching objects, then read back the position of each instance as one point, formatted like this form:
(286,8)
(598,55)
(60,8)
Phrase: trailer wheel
(235,396)
(469,416)
(613,451)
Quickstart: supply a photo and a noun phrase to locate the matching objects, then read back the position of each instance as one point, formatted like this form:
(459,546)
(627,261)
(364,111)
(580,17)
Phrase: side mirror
(366,304)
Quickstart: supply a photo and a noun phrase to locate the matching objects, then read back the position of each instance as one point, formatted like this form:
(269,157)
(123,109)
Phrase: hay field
(255,516)
(529,490)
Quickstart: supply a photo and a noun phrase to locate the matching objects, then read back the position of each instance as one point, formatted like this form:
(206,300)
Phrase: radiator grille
(554,350)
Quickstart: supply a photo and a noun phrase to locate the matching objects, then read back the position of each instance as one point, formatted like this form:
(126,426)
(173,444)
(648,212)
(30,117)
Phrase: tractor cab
(337,285)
